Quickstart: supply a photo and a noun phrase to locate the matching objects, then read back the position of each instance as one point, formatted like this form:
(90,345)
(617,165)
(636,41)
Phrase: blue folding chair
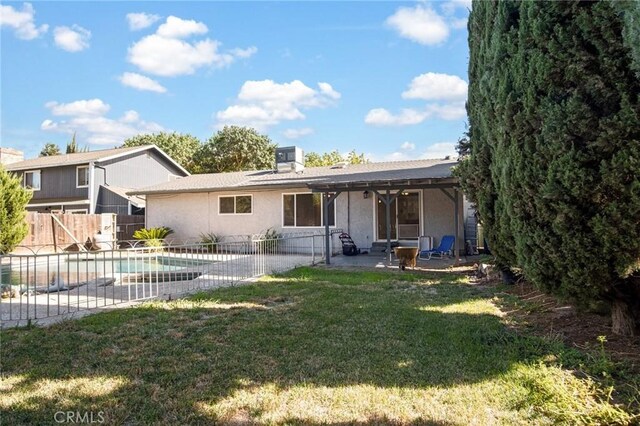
(445,248)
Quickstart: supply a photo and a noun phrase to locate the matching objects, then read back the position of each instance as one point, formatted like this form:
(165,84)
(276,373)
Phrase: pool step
(157,276)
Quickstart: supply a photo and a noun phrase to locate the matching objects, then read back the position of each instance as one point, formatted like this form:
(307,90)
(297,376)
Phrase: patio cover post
(327,201)
(455,198)
(456,222)
(388,199)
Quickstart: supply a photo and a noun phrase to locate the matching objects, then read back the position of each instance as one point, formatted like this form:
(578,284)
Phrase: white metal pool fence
(38,285)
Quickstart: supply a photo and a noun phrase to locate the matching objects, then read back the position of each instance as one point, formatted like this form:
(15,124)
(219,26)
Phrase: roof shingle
(369,172)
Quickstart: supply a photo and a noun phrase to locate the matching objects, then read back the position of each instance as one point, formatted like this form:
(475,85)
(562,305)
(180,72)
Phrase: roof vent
(340,165)
(289,159)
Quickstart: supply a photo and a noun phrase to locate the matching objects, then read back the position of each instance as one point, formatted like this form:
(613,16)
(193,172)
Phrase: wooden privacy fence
(67,229)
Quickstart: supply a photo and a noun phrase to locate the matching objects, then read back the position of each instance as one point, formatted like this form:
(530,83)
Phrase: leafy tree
(313,159)
(180,147)
(73,147)
(553,152)
(50,149)
(235,149)
(13,200)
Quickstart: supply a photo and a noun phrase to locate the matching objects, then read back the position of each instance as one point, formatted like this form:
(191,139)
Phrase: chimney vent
(289,159)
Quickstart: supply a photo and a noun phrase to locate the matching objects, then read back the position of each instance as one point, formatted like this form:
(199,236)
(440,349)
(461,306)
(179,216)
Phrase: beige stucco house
(425,200)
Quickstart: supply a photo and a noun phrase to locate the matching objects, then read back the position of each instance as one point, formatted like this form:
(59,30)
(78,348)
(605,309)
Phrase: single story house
(95,181)
(422,197)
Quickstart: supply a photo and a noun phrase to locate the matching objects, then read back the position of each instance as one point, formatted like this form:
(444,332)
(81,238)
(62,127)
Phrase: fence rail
(40,285)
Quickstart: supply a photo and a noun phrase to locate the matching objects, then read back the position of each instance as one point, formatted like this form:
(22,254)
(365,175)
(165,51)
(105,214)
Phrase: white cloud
(74,39)
(450,111)
(382,117)
(165,53)
(449,7)
(433,86)
(139,21)
(408,146)
(420,24)
(409,116)
(175,27)
(329,91)
(440,150)
(141,82)
(297,133)
(171,57)
(244,53)
(88,119)
(265,103)
(451,90)
(22,22)
(79,108)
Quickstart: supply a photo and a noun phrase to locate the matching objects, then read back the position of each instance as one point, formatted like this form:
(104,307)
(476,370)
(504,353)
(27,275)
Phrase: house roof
(122,192)
(85,158)
(354,176)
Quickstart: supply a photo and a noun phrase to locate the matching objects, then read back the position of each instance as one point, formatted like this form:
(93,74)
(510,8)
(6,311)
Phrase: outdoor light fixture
(365,194)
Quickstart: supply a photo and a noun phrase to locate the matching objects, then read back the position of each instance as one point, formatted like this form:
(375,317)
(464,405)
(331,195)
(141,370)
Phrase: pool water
(81,269)
(137,264)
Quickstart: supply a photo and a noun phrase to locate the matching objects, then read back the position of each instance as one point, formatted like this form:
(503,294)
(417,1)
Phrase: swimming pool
(137,264)
(81,267)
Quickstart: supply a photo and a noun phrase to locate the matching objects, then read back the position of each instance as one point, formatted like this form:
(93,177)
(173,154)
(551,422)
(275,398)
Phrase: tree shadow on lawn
(160,362)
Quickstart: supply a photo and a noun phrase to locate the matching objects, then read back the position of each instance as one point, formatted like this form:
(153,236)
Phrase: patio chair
(445,248)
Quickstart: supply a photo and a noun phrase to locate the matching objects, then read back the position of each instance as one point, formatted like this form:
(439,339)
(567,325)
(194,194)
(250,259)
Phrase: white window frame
(295,211)
(234,196)
(24,179)
(77,180)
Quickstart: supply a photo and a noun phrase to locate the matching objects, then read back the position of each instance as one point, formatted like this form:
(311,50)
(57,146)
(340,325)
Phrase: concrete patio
(380,260)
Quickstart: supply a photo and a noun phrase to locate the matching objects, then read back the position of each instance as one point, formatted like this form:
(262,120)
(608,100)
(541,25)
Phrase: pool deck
(381,261)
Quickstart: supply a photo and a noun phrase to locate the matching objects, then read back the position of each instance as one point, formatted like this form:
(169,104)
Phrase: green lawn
(310,347)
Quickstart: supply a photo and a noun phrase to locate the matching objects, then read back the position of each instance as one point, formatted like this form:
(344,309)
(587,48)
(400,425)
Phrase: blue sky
(384,78)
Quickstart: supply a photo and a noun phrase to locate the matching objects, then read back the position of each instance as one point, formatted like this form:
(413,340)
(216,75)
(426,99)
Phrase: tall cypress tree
(554,155)
(13,200)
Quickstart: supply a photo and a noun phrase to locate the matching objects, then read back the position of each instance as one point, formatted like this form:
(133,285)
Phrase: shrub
(268,240)
(153,237)
(13,200)
(210,241)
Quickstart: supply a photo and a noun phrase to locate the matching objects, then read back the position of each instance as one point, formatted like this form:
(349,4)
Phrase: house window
(82,176)
(236,204)
(300,210)
(32,180)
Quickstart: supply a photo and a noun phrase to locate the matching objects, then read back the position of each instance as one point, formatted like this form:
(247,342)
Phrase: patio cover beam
(380,186)
(327,201)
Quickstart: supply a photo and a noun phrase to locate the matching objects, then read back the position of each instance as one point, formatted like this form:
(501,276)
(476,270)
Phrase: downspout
(91,189)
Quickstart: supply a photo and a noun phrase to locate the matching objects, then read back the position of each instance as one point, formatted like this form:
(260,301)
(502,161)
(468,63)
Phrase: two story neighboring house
(95,181)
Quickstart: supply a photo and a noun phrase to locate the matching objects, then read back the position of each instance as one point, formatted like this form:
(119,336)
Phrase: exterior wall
(359,223)
(439,215)
(132,171)
(192,214)
(58,182)
(108,202)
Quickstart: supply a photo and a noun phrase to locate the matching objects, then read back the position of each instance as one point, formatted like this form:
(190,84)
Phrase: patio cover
(388,190)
